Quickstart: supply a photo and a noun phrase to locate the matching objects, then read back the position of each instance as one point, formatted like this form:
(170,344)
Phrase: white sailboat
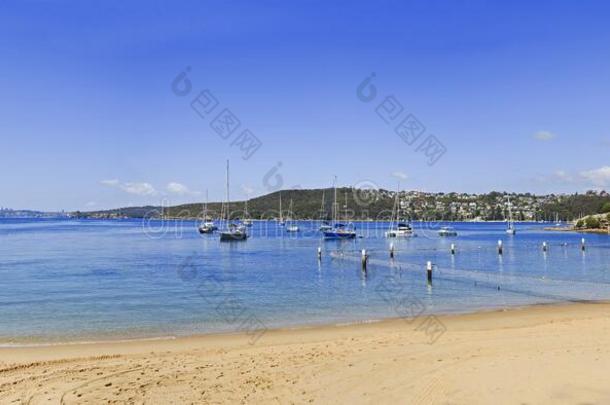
(397,228)
(291,227)
(247,220)
(233,231)
(510,226)
(338,230)
(281,221)
(325,226)
(206,225)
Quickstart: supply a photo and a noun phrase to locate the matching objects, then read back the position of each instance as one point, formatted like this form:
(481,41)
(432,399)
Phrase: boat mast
(334,213)
(397,204)
(205,206)
(345,208)
(510,214)
(228,203)
(281,217)
(395,209)
(322,216)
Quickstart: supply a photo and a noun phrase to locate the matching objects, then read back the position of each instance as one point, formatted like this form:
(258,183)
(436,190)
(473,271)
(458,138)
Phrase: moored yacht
(207,226)
(339,230)
(402,229)
(247,221)
(447,231)
(233,232)
(291,227)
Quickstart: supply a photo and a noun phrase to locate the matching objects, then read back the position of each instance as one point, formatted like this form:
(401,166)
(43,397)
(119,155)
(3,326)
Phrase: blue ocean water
(73,280)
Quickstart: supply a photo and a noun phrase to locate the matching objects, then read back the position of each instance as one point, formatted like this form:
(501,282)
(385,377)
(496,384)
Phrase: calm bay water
(92,279)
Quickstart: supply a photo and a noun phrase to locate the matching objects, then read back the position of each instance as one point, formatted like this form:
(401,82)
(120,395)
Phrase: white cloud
(544,136)
(400,175)
(598,177)
(91,204)
(136,188)
(180,189)
(587,178)
(563,176)
(177,188)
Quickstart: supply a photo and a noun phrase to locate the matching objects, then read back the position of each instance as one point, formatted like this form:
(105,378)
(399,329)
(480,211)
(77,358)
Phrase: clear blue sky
(518,93)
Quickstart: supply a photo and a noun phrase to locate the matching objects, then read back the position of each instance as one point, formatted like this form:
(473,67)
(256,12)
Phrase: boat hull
(399,234)
(339,235)
(233,236)
(447,234)
(207,228)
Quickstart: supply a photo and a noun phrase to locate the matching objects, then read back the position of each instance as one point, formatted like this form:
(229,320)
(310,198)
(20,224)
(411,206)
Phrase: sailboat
(247,221)
(325,226)
(206,225)
(292,227)
(338,230)
(402,229)
(233,232)
(281,221)
(510,228)
(557,221)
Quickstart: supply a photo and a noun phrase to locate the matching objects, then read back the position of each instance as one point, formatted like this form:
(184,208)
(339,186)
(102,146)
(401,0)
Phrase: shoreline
(562,349)
(296,329)
(599,231)
(110,338)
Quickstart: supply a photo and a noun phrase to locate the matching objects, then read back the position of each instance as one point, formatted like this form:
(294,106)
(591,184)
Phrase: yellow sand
(544,354)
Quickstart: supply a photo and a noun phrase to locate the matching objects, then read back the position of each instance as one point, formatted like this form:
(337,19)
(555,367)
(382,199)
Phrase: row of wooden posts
(365,256)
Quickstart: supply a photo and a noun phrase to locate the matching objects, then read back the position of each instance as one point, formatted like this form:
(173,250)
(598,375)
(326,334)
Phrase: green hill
(358,204)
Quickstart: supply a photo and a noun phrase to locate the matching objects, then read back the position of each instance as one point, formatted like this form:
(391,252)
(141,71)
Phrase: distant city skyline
(97,116)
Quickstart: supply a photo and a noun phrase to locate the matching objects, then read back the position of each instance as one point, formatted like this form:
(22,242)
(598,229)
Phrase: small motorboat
(247,222)
(292,228)
(447,231)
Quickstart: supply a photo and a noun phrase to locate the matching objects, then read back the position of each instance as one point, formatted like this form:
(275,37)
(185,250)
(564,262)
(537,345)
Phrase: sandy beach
(541,354)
